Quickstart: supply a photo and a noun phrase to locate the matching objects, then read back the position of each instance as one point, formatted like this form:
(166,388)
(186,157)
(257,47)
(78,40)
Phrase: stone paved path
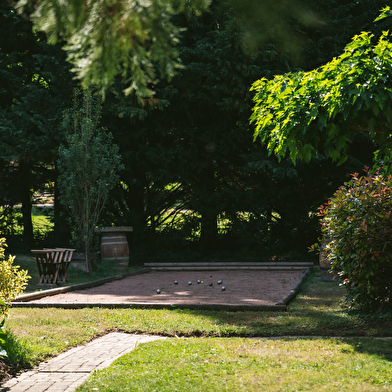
(72,368)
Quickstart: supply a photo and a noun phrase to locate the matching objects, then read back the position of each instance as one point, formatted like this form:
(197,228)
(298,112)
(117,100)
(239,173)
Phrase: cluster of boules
(223,288)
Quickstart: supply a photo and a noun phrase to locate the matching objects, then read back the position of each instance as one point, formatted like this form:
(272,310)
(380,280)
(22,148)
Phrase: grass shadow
(317,310)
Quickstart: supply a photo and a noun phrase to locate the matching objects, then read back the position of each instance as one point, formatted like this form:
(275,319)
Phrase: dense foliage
(319,111)
(135,40)
(357,225)
(190,149)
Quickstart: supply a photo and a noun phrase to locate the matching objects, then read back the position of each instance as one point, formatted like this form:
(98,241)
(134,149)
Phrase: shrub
(12,282)
(357,226)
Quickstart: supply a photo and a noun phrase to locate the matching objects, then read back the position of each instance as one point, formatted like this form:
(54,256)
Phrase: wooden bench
(53,265)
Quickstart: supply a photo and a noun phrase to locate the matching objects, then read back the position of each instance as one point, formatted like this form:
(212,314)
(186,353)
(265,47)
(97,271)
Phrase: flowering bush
(357,223)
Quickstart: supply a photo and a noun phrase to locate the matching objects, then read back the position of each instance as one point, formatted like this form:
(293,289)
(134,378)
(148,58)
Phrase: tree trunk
(135,202)
(61,227)
(89,266)
(208,210)
(25,196)
(209,230)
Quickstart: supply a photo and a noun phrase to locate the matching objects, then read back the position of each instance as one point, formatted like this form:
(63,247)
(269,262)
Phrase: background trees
(196,135)
(193,178)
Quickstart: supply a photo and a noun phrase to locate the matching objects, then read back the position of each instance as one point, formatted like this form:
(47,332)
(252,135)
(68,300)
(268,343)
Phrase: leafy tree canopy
(137,39)
(318,112)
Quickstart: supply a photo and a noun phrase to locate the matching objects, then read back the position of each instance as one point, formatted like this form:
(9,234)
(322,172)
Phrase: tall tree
(208,98)
(35,87)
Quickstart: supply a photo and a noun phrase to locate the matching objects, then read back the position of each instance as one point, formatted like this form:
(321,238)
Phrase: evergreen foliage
(138,40)
(107,38)
(330,25)
(206,99)
(195,134)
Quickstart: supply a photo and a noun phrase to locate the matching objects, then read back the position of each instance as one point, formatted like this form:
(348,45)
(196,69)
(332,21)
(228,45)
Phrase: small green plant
(12,283)
(12,280)
(357,223)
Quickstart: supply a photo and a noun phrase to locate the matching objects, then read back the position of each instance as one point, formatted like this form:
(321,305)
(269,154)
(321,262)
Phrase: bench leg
(63,271)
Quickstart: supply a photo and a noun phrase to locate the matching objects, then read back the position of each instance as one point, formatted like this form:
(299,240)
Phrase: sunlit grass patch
(242,365)
(42,219)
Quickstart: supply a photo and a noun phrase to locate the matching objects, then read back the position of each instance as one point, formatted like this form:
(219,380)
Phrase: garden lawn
(317,311)
(238,364)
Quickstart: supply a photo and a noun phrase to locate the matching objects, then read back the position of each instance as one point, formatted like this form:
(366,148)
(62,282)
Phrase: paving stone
(40,386)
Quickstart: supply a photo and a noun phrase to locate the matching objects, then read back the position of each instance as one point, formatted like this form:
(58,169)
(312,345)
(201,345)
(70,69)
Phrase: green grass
(239,364)
(42,218)
(317,311)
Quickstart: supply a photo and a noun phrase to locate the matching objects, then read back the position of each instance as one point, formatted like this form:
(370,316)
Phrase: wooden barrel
(114,247)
